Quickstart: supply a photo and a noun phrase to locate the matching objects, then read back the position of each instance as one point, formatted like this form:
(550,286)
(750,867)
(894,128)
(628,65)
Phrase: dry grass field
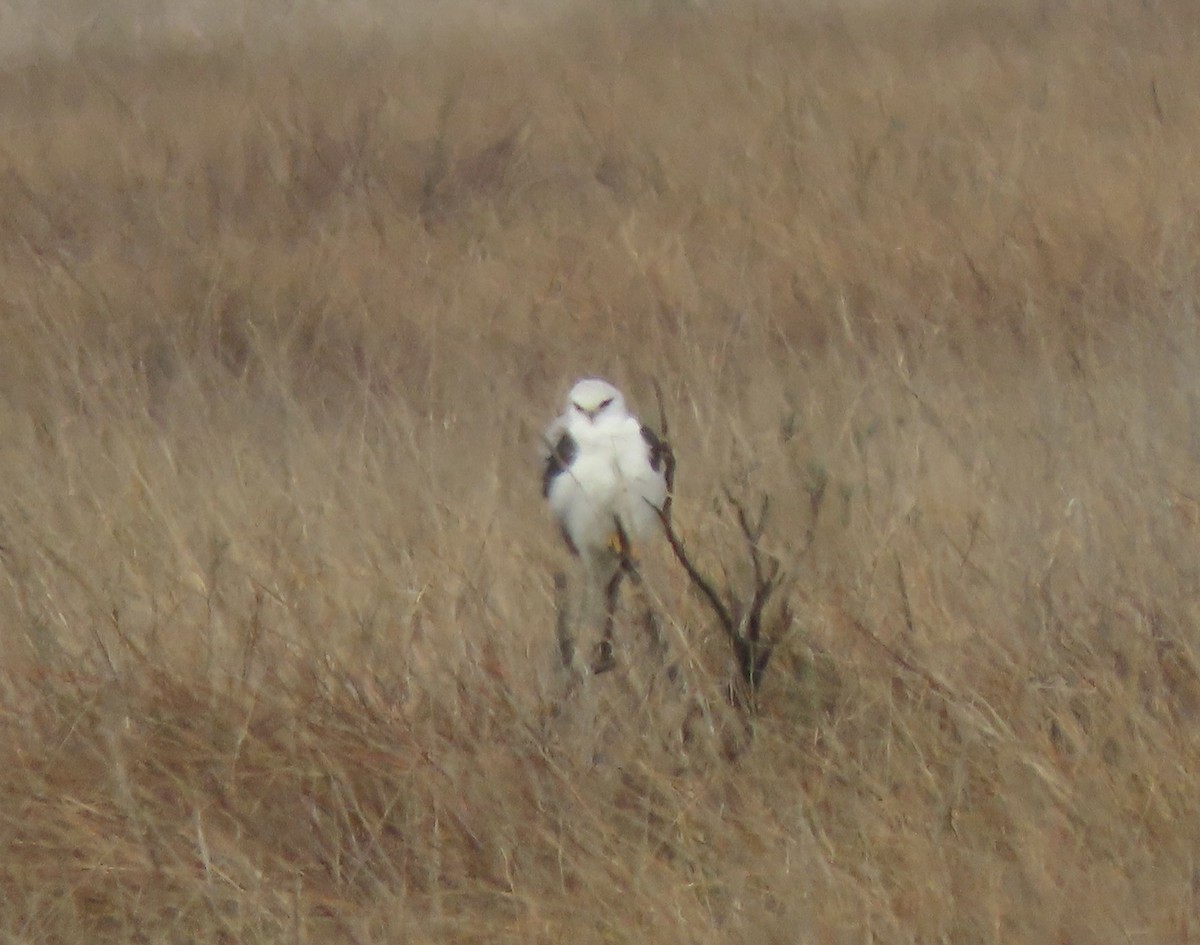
(282,315)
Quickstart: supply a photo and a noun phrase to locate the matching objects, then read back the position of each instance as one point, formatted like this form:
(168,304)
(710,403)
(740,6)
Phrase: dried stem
(740,620)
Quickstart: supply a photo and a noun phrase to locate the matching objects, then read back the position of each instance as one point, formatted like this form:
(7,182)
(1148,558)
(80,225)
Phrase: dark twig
(753,655)
(699,581)
(740,620)
(742,623)
(668,454)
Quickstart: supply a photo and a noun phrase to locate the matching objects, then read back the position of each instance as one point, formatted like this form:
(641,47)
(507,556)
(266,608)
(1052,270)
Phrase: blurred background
(288,292)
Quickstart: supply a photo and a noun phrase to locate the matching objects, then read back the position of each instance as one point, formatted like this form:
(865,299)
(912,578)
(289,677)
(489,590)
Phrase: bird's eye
(604,404)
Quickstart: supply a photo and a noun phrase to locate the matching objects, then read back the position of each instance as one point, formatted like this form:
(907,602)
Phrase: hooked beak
(595,411)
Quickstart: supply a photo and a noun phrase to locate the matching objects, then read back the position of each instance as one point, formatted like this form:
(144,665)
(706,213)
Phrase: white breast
(610,480)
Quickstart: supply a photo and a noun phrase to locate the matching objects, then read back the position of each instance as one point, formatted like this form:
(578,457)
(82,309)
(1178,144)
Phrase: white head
(594,399)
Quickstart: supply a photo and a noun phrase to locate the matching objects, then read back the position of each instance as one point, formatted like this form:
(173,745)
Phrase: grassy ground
(282,321)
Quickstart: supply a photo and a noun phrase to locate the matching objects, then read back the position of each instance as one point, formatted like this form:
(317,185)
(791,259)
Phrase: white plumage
(604,475)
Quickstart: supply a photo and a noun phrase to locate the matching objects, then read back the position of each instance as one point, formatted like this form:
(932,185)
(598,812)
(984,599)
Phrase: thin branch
(663,429)
(740,620)
(900,659)
(750,533)
(702,584)
(908,614)
(668,454)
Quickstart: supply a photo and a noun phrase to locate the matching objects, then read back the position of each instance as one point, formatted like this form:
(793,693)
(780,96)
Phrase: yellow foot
(618,547)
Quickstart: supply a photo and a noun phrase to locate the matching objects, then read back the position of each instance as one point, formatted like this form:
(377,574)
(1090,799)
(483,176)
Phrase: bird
(606,477)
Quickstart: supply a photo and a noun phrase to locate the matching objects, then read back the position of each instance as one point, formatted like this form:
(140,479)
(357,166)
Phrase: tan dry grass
(280,328)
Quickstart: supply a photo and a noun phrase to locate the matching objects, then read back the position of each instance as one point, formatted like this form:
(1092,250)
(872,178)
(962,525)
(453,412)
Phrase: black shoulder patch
(658,448)
(561,456)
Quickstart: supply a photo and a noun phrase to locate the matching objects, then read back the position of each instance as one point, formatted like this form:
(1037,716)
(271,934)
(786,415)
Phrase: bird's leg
(626,560)
(605,660)
(628,565)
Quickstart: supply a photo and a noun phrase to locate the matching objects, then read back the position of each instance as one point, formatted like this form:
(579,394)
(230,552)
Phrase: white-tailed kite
(606,478)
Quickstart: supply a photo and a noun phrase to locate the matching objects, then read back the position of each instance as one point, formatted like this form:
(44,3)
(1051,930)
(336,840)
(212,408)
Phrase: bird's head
(593,398)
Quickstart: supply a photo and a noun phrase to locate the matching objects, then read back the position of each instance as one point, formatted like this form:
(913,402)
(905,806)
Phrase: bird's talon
(605,660)
(620,547)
